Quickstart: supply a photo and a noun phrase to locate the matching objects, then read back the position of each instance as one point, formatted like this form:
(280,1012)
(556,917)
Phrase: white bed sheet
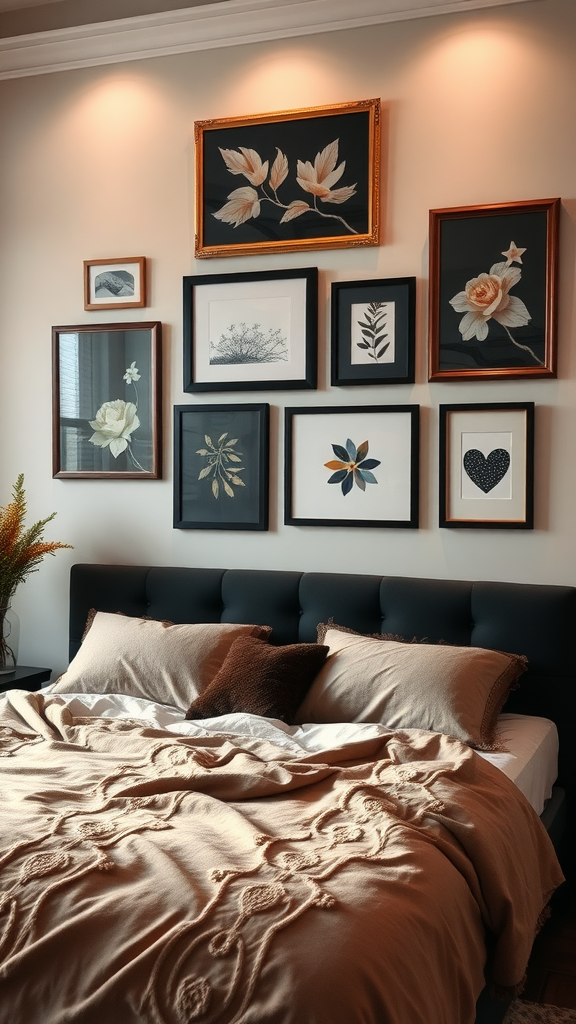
(529,754)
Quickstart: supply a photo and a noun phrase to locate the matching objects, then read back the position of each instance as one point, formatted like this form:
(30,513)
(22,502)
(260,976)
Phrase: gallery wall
(99,162)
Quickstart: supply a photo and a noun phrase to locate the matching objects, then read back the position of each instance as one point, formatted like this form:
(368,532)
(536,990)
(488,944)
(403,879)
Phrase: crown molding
(220,24)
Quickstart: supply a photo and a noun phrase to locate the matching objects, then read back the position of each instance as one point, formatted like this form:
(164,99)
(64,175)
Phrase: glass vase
(9,639)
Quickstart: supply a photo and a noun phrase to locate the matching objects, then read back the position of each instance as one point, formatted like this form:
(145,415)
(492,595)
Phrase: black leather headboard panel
(535,620)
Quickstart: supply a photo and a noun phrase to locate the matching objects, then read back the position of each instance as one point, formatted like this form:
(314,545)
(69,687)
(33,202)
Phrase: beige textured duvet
(152,878)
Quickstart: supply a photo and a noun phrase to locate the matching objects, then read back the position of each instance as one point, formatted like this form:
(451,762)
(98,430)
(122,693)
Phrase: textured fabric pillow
(454,690)
(161,661)
(260,679)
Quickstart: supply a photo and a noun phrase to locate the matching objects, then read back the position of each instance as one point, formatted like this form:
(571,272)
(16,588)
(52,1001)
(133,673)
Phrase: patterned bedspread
(147,878)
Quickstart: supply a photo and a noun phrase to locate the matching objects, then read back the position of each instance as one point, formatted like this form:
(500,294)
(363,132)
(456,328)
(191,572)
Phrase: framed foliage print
(289,181)
(372,331)
(493,291)
(248,332)
(487,465)
(221,467)
(352,466)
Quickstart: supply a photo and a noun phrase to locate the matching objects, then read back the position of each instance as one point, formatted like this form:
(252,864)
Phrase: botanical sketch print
(351,466)
(487,297)
(222,464)
(252,330)
(372,332)
(315,180)
(117,420)
(486,461)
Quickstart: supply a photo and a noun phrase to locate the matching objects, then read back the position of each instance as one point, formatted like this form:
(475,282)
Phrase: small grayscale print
(114,283)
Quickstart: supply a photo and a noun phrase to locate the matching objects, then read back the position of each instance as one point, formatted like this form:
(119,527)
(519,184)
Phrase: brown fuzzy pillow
(260,679)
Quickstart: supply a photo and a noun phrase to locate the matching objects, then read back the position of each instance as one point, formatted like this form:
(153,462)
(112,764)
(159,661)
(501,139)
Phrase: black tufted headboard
(535,620)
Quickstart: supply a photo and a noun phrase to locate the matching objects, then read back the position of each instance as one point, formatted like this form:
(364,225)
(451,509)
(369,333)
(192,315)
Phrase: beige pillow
(168,663)
(454,690)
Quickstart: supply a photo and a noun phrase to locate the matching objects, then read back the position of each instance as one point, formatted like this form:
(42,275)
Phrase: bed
(315,864)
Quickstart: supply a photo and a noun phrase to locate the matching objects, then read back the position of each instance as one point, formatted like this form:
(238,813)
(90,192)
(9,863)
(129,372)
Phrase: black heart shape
(487,472)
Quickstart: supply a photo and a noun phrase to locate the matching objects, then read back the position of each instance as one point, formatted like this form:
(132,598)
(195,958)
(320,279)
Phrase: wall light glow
(285,80)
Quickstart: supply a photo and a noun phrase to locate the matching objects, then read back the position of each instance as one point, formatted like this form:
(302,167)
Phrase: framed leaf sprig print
(352,466)
(487,465)
(288,181)
(221,467)
(372,331)
(493,291)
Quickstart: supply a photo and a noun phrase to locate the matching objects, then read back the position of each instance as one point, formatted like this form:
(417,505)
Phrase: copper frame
(300,136)
(507,352)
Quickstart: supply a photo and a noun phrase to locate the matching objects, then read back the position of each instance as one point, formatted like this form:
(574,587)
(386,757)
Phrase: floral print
(487,297)
(315,179)
(352,466)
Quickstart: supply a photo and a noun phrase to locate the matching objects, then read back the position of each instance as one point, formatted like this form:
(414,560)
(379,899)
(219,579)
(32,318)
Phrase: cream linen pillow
(454,690)
(165,662)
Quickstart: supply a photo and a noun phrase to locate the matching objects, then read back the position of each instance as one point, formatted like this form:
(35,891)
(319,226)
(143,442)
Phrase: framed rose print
(487,465)
(352,466)
(493,291)
(107,401)
(288,181)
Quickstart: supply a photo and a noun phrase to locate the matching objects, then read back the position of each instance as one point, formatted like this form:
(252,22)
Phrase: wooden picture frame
(373,331)
(221,467)
(493,291)
(118,283)
(107,401)
(289,181)
(352,466)
(251,332)
(487,465)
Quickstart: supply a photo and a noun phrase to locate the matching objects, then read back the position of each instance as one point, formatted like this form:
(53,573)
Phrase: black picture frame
(221,467)
(253,173)
(321,445)
(493,291)
(372,331)
(251,331)
(107,401)
(487,466)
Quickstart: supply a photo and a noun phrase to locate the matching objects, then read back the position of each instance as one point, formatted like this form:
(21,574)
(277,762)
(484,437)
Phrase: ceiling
(40,36)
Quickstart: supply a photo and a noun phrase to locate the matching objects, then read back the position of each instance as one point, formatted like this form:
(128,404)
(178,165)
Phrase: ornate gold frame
(360,150)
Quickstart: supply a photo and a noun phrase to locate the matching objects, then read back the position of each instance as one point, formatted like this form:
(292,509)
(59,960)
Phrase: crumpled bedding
(152,878)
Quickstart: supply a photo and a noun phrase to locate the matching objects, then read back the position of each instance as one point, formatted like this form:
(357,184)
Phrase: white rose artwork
(117,420)
(487,297)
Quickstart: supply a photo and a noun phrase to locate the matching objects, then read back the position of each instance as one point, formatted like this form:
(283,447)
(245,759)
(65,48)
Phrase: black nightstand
(24,678)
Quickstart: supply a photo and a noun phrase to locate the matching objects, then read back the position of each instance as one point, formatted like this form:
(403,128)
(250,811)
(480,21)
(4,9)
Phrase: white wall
(98,162)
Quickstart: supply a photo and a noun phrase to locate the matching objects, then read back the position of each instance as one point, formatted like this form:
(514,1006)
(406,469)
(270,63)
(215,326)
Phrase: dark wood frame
(155,329)
(413,412)
(261,413)
(448,518)
(112,304)
(538,286)
(309,340)
(298,135)
(401,291)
